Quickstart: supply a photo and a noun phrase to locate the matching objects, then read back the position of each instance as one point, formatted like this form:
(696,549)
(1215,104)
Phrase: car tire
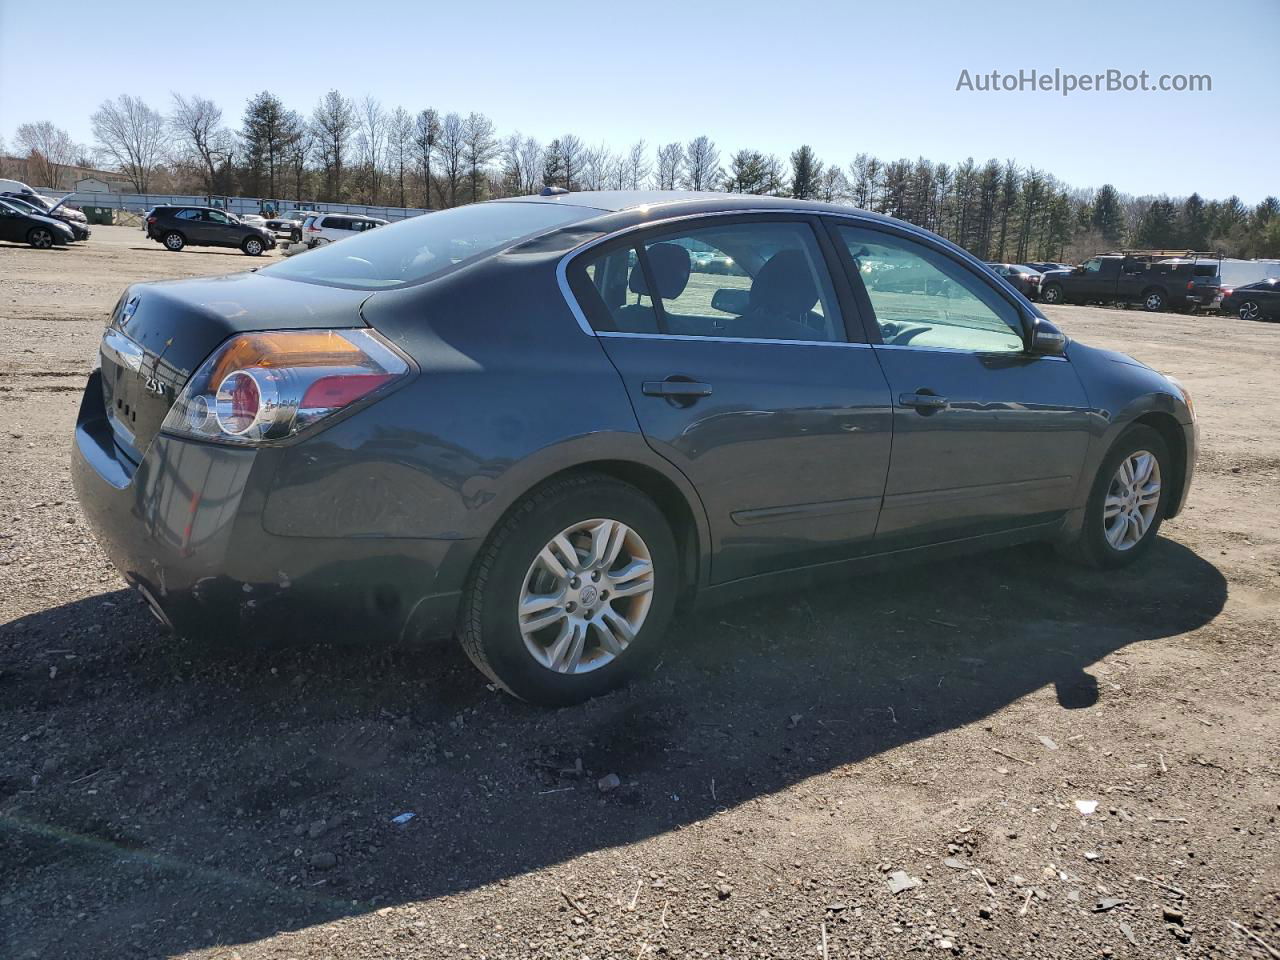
(1154,300)
(174,241)
(1053,294)
(252,246)
(40,238)
(1250,310)
(1101,542)
(585,643)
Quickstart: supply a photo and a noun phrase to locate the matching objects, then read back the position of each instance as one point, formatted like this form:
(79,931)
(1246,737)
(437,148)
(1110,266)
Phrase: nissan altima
(541,423)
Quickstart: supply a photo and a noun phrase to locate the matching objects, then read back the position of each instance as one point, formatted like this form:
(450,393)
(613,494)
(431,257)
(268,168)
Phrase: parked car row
(22,223)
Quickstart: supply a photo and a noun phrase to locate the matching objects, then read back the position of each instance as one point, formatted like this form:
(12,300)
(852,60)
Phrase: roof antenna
(551,191)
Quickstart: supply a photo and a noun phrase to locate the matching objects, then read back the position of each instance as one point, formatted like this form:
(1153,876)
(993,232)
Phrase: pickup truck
(1177,284)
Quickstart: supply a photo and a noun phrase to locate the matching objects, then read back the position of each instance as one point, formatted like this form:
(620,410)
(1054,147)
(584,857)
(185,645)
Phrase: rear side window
(426,246)
(753,281)
(187,215)
(335,223)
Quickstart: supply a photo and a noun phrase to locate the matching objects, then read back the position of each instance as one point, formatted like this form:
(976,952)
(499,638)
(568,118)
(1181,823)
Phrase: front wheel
(40,238)
(252,246)
(1128,499)
(572,595)
(1053,293)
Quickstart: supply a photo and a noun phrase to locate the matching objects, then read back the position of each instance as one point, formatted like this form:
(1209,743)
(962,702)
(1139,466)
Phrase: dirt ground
(956,722)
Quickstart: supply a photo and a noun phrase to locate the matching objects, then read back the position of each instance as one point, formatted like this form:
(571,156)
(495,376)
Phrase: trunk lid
(160,333)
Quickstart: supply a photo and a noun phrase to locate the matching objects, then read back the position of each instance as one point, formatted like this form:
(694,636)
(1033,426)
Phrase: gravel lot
(954,722)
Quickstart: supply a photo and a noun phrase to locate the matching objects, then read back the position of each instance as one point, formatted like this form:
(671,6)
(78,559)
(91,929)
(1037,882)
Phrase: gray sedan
(541,423)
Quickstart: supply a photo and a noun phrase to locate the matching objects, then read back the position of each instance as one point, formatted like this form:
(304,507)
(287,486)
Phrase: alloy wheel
(1052,295)
(1132,500)
(1249,310)
(41,239)
(586,596)
(1154,301)
(253,248)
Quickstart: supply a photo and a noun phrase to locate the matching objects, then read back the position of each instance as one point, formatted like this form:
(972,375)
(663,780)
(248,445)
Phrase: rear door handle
(675,388)
(922,401)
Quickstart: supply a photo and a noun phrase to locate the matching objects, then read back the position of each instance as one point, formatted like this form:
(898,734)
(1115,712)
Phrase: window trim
(1025,320)
(636,237)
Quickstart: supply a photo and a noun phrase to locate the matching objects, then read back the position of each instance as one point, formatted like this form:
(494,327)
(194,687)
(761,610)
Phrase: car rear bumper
(184,528)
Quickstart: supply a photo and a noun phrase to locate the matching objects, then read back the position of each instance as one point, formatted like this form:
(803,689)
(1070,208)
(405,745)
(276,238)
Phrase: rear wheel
(1053,293)
(1128,499)
(252,246)
(174,241)
(1250,310)
(572,595)
(40,238)
(1153,301)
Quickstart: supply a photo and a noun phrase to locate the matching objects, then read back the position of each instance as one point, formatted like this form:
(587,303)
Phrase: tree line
(359,151)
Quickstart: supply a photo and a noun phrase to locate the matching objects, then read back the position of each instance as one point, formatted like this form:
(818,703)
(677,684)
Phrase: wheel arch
(668,489)
(1171,432)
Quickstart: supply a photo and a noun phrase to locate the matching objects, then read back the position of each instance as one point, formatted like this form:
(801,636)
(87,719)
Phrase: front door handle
(679,389)
(922,401)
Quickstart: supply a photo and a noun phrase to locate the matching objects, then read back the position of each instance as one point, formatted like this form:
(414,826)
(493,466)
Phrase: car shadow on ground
(170,797)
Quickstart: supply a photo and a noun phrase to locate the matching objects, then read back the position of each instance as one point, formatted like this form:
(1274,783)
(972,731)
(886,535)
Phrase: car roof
(681,202)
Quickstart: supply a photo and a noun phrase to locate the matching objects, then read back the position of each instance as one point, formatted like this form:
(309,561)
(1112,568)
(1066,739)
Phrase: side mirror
(731,300)
(1046,339)
(1077,269)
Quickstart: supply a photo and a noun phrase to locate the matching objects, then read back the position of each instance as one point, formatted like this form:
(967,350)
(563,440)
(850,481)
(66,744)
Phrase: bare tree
(297,154)
(479,146)
(399,146)
(702,164)
(522,163)
(332,123)
(597,164)
(449,151)
(131,135)
(426,135)
(49,150)
(371,140)
(202,139)
(670,164)
(570,154)
(638,166)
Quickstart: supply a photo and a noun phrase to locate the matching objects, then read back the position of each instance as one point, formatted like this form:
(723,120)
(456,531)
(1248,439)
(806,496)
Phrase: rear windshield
(425,246)
(1205,270)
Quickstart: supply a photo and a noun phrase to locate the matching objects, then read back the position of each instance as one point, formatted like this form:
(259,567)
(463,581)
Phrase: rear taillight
(1226,291)
(313,229)
(260,387)
(1191,284)
(151,219)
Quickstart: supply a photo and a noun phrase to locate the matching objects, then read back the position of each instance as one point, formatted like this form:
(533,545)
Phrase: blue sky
(842,76)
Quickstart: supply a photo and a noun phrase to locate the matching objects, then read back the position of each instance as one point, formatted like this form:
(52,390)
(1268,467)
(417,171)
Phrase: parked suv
(178,227)
(322,228)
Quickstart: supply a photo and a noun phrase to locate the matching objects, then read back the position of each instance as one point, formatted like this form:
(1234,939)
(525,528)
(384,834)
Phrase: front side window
(1092,266)
(923,298)
(752,281)
(213,216)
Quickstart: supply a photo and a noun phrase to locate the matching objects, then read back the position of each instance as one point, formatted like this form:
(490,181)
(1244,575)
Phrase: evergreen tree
(806,170)
(1108,217)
